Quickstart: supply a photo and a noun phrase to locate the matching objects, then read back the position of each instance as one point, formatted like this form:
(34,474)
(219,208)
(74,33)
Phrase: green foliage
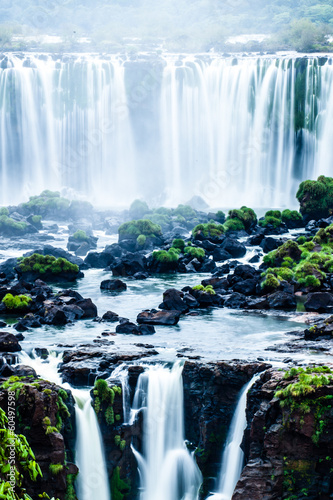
(170,255)
(185,211)
(80,235)
(4,211)
(289,249)
(138,209)
(119,487)
(195,252)
(25,464)
(291,215)
(16,303)
(139,227)
(316,197)
(141,240)
(70,489)
(104,397)
(273,213)
(36,219)
(206,289)
(42,264)
(209,230)
(301,240)
(46,203)
(270,282)
(122,445)
(179,244)
(240,219)
(220,216)
(304,36)
(9,224)
(55,469)
(270,220)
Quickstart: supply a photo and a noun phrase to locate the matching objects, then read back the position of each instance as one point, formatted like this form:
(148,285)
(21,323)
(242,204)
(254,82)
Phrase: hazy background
(186,25)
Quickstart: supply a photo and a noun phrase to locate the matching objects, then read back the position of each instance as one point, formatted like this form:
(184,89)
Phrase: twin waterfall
(234,131)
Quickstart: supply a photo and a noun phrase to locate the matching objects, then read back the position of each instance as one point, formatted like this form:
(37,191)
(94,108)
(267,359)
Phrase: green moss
(42,264)
(138,209)
(46,203)
(119,487)
(170,255)
(104,396)
(36,219)
(137,227)
(55,469)
(80,236)
(206,289)
(122,445)
(270,220)
(141,240)
(289,249)
(179,244)
(9,224)
(17,303)
(117,440)
(233,225)
(4,211)
(301,240)
(220,217)
(70,489)
(195,252)
(316,197)
(185,211)
(270,282)
(291,215)
(209,230)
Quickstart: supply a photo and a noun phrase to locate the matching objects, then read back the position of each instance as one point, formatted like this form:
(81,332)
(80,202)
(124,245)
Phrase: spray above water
(168,471)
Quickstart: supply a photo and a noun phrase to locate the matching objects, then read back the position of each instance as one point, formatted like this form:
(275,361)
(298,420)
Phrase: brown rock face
(289,449)
(49,426)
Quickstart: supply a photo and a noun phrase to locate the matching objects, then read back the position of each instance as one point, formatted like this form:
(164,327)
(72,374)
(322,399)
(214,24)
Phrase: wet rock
(146,329)
(268,244)
(173,300)
(155,317)
(219,255)
(110,317)
(99,260)
(322,329)
(234,248)
(9,343)
(89,308)
(321,302)
(129,265)
(236,301)
(128,328)
(281,300)
(113,285)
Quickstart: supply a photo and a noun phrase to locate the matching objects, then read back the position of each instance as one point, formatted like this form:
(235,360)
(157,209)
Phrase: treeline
(180,24)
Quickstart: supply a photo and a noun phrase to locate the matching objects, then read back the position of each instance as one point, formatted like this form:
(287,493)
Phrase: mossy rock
(316,198)
(47,268)
(135,228)
(210,231)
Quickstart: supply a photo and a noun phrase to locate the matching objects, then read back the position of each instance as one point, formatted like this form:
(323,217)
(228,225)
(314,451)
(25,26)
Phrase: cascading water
(167,470)
(234,131)
(233,456)
(92,481)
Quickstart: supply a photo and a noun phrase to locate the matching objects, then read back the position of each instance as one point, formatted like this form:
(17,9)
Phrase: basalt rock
(155,317)
(9,343)
(113,285)
(321,302)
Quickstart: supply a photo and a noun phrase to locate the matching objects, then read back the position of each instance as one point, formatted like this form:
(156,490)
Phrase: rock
(146,329)
(29,321)
(154,317)
(257,303)
(255,240)
(219,255)
(56,316)
(281,300)
(319,302)
(128,328)
(236,301)
(234,248)
(173,300)
(246,287)
(111,317)
(113,285)
(99,260)
(246,272)
(9,343)
(268,244)
(129,265)
(89,308)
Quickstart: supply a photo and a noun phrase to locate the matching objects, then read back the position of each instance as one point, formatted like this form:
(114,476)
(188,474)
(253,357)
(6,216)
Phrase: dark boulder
(113,285)
(281,300)
(220,255)
(89,308)
(321,302)
(154,317)
(129,265)
(9,343)
(234,248)
(128,328)
(99,260)
(268,244)
(236,301)
(247,287)
(111,317)
(173,300)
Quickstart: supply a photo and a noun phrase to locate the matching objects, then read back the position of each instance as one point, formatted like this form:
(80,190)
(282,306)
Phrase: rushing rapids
(230,130)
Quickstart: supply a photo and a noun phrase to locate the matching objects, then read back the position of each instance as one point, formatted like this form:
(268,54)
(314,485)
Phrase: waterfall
(167,470)
(92,481)
(234,131)
(233,456)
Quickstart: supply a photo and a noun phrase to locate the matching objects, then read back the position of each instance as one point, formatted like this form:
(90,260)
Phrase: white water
(233,456)
(92,482)
(167,470)
(113,130)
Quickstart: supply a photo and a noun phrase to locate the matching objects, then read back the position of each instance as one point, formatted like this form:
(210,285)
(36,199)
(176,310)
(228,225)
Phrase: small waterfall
(92,482)
(121,373)
(167,470)
(233,456)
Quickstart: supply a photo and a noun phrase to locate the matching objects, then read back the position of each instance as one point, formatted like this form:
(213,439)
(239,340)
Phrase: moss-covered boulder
(209,231)
(316,198)
(243,219)
(131,230)
(48,268)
